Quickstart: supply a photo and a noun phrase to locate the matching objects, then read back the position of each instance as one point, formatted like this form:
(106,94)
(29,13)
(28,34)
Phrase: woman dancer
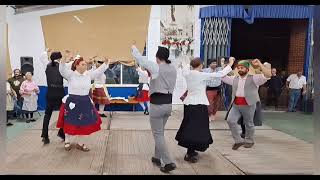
(100,95)
(78,116)
(194,133)
(143,89)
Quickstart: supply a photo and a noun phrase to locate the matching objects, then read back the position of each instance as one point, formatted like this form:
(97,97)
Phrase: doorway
(280,42)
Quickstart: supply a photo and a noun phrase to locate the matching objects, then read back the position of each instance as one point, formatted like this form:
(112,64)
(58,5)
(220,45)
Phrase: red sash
(240,101)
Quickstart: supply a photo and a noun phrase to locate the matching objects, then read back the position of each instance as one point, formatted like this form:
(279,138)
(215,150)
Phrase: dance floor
(125,146)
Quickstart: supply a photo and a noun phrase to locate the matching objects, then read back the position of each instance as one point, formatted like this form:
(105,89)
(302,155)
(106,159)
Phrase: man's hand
(304,92)
(256,62)
(48,50)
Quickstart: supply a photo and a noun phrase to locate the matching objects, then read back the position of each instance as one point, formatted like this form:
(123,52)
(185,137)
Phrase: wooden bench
(122,102)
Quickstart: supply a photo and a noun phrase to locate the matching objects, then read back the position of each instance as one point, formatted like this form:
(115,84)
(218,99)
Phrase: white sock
(142,105)
(101,108)
(148,105)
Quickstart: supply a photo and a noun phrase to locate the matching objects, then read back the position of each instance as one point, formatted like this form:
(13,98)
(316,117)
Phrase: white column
(3,75)
(197,31)
(153,39)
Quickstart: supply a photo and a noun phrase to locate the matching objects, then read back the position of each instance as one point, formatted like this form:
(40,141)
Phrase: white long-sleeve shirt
(45,61)
(143,76)
(197,82)
(100,80)
(152,66)
(80,84)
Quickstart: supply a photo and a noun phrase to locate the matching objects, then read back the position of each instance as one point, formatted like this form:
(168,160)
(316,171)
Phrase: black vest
(54,81)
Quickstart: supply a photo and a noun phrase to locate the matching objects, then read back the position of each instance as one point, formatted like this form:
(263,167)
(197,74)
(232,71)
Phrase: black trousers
(52,104)
(273,96)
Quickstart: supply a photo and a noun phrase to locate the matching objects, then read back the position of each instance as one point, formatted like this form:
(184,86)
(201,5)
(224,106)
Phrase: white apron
(30,103)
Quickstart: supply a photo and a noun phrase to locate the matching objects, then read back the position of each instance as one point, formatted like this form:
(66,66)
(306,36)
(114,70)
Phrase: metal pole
(316,66)
(3,75)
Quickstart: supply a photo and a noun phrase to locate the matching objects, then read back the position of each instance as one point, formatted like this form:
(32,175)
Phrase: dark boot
(168,167)
(46,140)
(156,161)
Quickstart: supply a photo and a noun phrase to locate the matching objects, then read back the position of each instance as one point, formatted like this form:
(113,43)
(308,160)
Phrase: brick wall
(298,36)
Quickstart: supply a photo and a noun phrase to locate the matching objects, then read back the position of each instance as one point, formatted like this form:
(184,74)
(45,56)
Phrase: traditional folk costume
(143,90)
(29,90)
(257,118)
(244,99)
(78,115)
(194,133)
(100,93)
(162,83)
(213,91)
(55,92)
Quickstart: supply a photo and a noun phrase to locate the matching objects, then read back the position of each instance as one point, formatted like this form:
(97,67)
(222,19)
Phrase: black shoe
(32,120)
(9,124)
(103,115)
(192,159)
(28,121)
(168,167)
(46,140)
(237,145)
(147,113)
(156,161)
(248,145)
(62,136)
(242,135)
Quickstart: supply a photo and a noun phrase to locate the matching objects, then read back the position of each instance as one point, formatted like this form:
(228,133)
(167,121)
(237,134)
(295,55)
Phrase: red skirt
(143,96)
(99,96)
(77,130)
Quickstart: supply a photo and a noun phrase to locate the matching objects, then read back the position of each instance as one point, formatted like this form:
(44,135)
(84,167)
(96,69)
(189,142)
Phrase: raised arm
(44,59)
(100,70)
(151,66)
(228,80)
(266,71)
(221,73)
(260,79)
(65,69)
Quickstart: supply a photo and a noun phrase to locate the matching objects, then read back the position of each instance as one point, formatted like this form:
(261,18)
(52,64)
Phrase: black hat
(55,56)
(162,53)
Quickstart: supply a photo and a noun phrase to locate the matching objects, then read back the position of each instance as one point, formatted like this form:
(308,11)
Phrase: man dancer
(244,97)
(54,95)
(162,83)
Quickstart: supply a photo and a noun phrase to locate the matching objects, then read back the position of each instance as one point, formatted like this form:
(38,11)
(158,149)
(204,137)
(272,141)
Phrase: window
(121,74)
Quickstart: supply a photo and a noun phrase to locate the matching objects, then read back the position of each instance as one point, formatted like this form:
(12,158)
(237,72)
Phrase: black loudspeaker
(26,65)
